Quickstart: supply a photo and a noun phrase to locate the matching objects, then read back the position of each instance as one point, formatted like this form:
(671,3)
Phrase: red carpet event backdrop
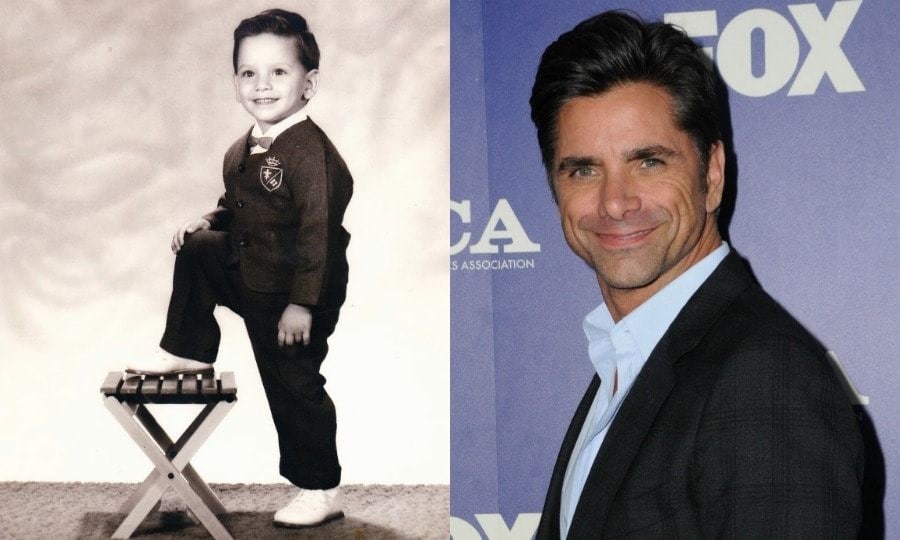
(812,89)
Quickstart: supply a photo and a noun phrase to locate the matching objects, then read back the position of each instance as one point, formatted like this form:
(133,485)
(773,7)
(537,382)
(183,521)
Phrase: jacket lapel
(549,525)
(234,157)
(650,389)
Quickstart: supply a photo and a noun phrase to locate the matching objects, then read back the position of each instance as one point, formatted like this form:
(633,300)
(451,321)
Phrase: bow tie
(265,142)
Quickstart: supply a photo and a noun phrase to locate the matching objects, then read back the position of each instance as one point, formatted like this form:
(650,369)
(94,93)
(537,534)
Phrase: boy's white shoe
(164,363)
(311,507)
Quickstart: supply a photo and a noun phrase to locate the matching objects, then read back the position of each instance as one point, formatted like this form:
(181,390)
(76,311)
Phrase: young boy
(274,251)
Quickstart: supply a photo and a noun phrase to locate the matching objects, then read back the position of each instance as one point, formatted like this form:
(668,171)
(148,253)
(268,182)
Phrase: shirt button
(241,167)
(245,243)
(239,204)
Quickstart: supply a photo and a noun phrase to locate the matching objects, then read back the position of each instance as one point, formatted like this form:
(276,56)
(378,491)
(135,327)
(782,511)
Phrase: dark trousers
(207,275)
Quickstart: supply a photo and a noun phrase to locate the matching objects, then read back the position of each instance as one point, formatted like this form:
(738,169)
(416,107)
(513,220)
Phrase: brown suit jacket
(284,210)
(736,427)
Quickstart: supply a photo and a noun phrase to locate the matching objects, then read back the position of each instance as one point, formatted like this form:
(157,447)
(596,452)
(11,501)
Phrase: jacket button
(245,243)
(241,167)
(239,204)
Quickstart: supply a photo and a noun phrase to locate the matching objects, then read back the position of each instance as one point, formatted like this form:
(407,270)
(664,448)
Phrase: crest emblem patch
(271,176)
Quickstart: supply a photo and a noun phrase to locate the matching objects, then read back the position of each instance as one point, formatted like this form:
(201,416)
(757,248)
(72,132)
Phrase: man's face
(631,199)
(270,82)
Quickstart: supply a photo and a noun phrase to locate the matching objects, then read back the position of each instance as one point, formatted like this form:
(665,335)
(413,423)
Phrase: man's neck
(621,302)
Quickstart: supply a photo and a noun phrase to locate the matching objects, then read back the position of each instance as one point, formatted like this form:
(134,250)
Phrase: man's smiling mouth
(623,240)
(265,101)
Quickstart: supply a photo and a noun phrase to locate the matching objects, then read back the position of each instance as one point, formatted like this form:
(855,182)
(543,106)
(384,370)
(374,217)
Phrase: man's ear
(715,177)
(311,84)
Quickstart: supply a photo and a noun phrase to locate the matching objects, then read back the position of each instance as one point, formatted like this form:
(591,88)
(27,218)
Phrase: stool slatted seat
(126,397)
(170,388)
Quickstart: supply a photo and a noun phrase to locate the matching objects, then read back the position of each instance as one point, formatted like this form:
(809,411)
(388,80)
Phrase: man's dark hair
(281,23)
(615,48)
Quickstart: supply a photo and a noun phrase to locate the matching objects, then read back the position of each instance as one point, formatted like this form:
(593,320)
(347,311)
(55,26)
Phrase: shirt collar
(281,126)
(650,320)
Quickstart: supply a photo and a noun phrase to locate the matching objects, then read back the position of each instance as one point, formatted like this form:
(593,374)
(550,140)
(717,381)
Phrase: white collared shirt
(619,351)
(277,129)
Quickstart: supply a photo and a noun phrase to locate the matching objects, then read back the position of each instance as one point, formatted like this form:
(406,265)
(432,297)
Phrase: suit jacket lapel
(236,156)
(549,525)
(621,443)
(647,394)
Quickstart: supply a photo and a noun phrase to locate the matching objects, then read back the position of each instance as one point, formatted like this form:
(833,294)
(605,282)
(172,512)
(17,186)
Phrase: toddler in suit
(273,251)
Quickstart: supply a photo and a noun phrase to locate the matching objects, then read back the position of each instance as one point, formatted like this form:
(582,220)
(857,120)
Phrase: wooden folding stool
(126,397)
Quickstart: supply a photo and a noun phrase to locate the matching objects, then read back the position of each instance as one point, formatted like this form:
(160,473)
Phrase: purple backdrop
(816,214)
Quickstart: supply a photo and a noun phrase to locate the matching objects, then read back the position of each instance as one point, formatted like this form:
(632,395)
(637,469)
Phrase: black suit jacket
(735,427)
(284,210)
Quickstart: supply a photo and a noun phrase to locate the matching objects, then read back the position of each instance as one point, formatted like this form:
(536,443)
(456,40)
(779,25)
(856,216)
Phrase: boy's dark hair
(615,48)
(281,23)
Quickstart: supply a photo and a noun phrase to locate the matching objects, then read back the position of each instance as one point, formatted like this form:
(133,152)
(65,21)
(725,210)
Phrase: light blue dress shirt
(621,350)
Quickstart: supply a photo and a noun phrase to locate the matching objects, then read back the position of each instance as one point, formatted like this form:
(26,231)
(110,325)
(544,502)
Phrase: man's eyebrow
(653,151)
(573,162)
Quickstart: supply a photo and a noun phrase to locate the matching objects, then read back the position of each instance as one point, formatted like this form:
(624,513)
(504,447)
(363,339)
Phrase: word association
(781,47)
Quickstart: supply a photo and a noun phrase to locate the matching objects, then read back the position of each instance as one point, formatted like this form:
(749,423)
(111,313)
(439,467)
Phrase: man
(713,412)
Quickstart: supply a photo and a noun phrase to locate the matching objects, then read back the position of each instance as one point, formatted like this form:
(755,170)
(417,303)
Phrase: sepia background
(115,119)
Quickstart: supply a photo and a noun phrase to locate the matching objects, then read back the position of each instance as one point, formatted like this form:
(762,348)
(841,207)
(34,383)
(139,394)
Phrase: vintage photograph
(225,293)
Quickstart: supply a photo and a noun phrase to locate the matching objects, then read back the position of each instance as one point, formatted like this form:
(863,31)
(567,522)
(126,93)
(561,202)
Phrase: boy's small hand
(294,325)
(187,228)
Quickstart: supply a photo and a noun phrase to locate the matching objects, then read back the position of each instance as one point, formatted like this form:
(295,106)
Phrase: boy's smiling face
(270,81)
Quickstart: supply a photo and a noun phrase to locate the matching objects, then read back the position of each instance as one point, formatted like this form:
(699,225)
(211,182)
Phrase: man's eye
(280,72)
(582,172)
(247,74)
(650,163)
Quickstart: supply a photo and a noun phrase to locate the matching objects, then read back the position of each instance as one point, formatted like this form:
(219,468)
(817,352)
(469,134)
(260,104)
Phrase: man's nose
(617,197)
